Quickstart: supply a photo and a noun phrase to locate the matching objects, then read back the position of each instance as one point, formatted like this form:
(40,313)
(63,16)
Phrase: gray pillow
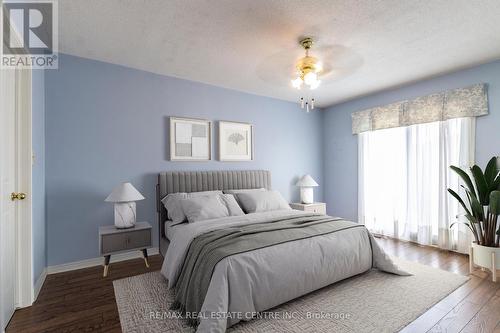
(234,192)
(232,206)
(248,190)
(174,208)
(203,208)
(262,201)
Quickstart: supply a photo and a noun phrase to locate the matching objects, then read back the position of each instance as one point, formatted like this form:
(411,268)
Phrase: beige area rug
(370,302)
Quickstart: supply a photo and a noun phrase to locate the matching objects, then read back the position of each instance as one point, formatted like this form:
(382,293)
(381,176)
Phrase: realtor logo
(29,37)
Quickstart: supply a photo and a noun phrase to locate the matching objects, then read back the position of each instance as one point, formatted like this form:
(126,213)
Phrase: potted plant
(481,211)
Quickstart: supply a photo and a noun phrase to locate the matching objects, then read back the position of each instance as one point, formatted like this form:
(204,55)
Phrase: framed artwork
(235,141)
(190,139)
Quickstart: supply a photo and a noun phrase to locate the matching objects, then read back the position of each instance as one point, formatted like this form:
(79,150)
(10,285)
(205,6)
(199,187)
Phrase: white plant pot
(485,257)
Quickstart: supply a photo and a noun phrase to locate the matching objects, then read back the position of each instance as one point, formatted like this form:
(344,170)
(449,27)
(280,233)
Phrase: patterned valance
(463,102)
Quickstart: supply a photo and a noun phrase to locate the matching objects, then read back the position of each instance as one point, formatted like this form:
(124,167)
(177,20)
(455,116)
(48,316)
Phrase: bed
(198,181)
(228,269)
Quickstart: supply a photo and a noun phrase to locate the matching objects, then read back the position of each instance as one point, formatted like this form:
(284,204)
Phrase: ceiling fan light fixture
(308,71)
(311,79)
(297,83)
(308,67)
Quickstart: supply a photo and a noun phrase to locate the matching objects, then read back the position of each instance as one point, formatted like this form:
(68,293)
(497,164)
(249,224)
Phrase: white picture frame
(190,139)
(235,141)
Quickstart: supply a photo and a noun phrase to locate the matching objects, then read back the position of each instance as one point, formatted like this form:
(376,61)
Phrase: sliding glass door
(403,179)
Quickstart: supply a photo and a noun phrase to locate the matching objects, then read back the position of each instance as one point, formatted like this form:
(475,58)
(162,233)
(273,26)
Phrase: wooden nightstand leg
(145,255)
(106,265)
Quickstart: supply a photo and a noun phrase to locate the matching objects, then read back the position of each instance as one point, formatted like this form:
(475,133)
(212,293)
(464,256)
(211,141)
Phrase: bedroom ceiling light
(308,70)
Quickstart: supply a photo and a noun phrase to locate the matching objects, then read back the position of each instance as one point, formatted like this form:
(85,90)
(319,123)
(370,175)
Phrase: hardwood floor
(79,301)
(473,307)
(83,301)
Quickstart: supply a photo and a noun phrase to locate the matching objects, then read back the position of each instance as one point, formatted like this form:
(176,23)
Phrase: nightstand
(317,207)
(113,241)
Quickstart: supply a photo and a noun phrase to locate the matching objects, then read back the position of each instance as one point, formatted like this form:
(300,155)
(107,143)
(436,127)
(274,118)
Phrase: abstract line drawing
(189,139)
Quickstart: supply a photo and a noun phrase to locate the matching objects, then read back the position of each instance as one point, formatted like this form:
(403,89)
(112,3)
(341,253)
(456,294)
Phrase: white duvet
(246,283)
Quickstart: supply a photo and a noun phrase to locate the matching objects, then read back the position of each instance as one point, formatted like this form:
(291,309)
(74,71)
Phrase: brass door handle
(17,196)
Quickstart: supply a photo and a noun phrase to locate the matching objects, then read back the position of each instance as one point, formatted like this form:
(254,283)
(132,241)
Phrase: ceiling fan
(308,68)
(318,66)
(308,71)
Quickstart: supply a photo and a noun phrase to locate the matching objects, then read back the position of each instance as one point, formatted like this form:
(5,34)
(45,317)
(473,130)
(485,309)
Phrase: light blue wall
(38,174)
(340,163)
(106,124)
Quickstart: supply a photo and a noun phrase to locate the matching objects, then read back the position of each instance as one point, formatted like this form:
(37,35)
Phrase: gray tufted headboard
(196,181)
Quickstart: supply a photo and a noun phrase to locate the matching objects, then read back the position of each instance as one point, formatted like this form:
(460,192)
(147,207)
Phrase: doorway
(16,277)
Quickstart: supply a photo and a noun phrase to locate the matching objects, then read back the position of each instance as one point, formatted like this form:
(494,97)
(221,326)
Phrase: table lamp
(124,197)
(306,184)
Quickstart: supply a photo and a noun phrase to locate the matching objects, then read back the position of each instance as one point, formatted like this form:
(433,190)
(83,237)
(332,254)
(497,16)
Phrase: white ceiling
(251,45)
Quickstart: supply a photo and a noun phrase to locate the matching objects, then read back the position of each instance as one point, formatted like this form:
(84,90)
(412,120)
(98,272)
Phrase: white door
(8,211)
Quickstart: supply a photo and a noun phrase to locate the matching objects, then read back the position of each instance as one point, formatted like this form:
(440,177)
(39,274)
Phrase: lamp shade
(306,181)
(124,192)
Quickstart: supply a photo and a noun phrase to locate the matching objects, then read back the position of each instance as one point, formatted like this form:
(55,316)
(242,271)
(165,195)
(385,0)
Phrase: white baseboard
(71,266)
(39,284)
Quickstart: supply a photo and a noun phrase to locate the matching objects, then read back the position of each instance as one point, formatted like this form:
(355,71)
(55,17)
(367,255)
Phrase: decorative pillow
(249,190)
(232,206)
(174,208)
(234,192)
(204,208)
(262,201)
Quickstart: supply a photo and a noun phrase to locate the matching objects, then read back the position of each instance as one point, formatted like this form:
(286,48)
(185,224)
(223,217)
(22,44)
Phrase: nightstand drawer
(316,209)
(126,241)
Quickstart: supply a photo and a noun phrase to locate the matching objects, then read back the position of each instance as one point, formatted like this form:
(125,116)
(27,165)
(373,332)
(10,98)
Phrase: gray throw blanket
(206,250)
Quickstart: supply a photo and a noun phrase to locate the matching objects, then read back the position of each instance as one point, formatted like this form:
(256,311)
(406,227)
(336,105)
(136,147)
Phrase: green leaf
(456,196)
(496,184)
(491,172)
(465,178)
(471,218)
(477,208)
(472,227)
(495,202)
(481,185)
(467,224)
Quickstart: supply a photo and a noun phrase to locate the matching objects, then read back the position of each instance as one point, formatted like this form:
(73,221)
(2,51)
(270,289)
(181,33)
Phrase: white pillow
(204,208)
(174,208)
(232,206)
(262,201)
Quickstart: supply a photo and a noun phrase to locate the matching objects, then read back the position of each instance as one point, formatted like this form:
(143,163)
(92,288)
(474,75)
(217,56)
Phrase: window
(403,179)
